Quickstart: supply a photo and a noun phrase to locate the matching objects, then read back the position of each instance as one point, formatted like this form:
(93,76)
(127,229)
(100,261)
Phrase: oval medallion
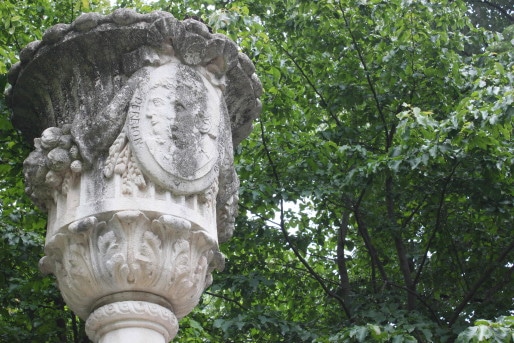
(173,124)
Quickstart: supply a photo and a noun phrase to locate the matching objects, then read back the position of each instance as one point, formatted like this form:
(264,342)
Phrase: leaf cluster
(376,187)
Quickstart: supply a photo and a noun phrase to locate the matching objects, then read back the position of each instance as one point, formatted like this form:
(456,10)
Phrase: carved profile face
(177,137)
(160,110)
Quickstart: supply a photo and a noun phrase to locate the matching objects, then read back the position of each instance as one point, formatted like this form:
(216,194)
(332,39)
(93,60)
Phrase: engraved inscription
(133,119)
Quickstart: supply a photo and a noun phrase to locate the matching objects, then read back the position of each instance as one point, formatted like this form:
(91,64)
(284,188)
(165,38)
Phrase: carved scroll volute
(139,116)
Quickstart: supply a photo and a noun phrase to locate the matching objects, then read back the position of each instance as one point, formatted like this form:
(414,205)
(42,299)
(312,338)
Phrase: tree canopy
(377,187)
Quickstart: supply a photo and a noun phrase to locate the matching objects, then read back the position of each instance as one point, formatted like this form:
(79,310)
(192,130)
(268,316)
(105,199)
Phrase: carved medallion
(173,126)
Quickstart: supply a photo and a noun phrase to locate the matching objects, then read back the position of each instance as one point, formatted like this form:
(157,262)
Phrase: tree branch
(497,7)
(308,274)
(437,225)
(234,301)
(324,103)
(421,300)
(341,259)
(260,216)
(493,291)
(363,230)
(398,242)
(474,288)
(287,238)
(413,213)
(367,75)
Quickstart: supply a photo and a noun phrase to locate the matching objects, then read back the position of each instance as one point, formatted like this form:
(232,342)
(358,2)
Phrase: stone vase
(134,119)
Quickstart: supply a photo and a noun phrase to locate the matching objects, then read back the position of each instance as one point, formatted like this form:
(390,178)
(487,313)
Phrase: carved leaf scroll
(131,252)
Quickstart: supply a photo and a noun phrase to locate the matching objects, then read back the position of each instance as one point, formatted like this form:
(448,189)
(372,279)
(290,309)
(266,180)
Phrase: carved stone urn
(134,119)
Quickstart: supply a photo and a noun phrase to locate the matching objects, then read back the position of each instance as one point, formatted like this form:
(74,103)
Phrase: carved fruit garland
(121,161)
(53,166)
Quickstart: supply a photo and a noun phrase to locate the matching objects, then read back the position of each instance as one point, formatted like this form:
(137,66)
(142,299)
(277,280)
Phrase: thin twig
(260,216)
(437,223)
(295,250)
(227,299)
(367,74)
(421,300)
(324,103)
(487,272)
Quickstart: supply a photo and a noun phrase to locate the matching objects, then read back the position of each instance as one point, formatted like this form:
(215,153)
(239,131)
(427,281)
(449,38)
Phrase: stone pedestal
(134,119)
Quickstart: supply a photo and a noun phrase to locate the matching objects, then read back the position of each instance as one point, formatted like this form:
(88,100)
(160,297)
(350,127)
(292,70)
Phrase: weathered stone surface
(64,59)
(134,119)
(128,254)
(51,91)
(114,323)
(55,33)
(87,21)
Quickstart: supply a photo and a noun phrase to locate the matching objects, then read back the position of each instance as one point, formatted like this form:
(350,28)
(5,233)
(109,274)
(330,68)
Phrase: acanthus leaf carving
(68,258)
(131,252)
(123,245)
(192,253)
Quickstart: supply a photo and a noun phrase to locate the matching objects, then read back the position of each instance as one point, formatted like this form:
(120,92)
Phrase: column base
(132,322)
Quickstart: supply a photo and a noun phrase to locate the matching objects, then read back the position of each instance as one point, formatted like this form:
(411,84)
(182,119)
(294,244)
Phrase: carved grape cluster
(53,164)
(121,161)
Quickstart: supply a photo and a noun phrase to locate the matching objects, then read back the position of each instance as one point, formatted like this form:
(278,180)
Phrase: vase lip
(105,50)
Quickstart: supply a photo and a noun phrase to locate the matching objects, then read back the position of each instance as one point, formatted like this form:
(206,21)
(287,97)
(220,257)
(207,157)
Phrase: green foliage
(494,15)
(373,333)
(500,331)
(376,188)
(389,325)
(379,130)
(31,307)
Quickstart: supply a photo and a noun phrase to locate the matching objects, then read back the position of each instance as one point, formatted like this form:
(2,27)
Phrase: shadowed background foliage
(376,188)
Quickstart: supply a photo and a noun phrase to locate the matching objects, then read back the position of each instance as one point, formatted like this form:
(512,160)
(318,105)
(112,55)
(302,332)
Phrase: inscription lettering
(134,115)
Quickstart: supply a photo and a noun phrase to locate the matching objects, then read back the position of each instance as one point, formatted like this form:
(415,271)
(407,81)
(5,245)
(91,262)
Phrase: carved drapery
(139,115)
